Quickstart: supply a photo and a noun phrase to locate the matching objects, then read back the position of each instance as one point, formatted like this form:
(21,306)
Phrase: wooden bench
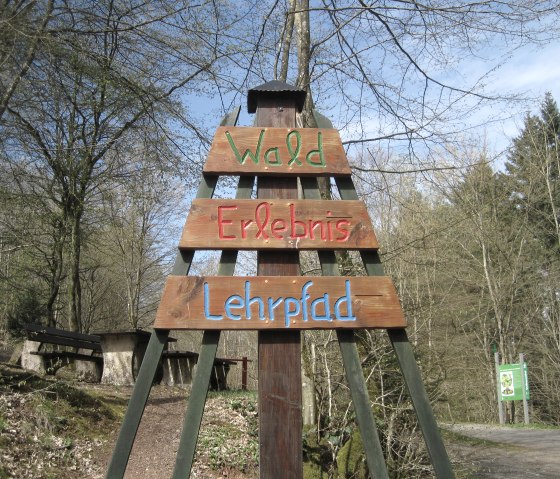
(63,347)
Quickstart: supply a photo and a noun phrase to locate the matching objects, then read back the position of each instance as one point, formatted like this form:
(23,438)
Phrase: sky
(530,72)
(535,70)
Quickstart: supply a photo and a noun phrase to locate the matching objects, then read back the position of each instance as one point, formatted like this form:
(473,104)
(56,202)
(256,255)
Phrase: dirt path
(513,453)
(155,448)
(157,441)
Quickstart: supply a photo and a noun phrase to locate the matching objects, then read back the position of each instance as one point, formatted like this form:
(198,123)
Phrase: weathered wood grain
(277,151)
(278,224)
(279,364)
(279,302)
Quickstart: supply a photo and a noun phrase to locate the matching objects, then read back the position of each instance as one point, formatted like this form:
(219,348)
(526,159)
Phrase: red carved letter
(340,228)
(295,223)
(262,222)
(279,226)
(222,222)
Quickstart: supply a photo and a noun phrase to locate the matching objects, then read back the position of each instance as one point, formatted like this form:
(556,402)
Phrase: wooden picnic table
(123,351)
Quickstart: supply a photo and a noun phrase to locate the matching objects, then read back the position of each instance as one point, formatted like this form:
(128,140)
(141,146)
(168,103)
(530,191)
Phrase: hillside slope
(55,428)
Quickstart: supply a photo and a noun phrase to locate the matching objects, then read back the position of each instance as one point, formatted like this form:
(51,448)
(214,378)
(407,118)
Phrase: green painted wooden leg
(405,356)
(199,390)
(424,412)
(360,399)
(195,407)
(136,405)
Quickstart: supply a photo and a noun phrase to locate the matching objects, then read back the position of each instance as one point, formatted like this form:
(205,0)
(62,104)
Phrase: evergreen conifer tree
(533,172)
(533,169)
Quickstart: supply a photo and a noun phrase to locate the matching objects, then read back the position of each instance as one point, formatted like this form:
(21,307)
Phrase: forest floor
(227,444)
(53,428)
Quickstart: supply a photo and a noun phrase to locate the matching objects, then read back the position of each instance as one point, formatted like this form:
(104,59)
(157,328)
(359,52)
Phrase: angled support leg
(195,407)
(424,412)
(136,405)
(409,368)
(352,365)
(360,399)
(201,382)
(146,375)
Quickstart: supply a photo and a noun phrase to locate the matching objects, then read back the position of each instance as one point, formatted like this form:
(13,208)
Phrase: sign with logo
(278,224)
(511,382)
(277,151)
(279,302)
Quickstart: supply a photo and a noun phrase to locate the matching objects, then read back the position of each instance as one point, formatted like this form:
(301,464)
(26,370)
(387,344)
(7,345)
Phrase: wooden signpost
(278,224)
(279,302)
(277,151)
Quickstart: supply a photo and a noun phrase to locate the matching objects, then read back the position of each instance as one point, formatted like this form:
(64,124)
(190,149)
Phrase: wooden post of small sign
(279,352)
(524,388)
(499,390)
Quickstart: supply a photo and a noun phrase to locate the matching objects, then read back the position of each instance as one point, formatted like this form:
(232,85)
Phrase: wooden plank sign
(277,151)
(278,224)
(279,302)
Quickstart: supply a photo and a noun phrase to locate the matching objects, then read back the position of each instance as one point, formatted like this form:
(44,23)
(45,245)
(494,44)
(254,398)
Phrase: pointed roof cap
(275,88)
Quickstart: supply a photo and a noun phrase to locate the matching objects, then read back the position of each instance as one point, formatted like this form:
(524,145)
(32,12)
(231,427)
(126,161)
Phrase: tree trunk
(74,286)
(304,59)
(56,272)
(28,59)
(287,41)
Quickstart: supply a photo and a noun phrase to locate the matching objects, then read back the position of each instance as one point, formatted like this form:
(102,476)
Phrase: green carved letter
(276,161)
(319,151)
(248,153)
(294,154)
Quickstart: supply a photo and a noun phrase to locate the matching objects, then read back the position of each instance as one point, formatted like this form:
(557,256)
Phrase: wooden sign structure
(277,151)
(277,224)
(279,302)
(273,302)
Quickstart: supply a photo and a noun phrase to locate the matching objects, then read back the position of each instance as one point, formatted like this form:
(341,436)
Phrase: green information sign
(511,382)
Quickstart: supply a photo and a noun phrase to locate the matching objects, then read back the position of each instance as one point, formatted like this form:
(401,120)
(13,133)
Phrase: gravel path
(514,453)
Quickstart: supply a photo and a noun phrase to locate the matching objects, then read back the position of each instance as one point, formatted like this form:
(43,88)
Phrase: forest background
(107,110)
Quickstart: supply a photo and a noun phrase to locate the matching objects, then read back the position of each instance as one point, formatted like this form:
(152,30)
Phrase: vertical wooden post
(499,391)
(280,411)
(244,373)
(524,389)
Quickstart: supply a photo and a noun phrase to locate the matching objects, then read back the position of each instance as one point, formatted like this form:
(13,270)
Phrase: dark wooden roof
(275,88)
